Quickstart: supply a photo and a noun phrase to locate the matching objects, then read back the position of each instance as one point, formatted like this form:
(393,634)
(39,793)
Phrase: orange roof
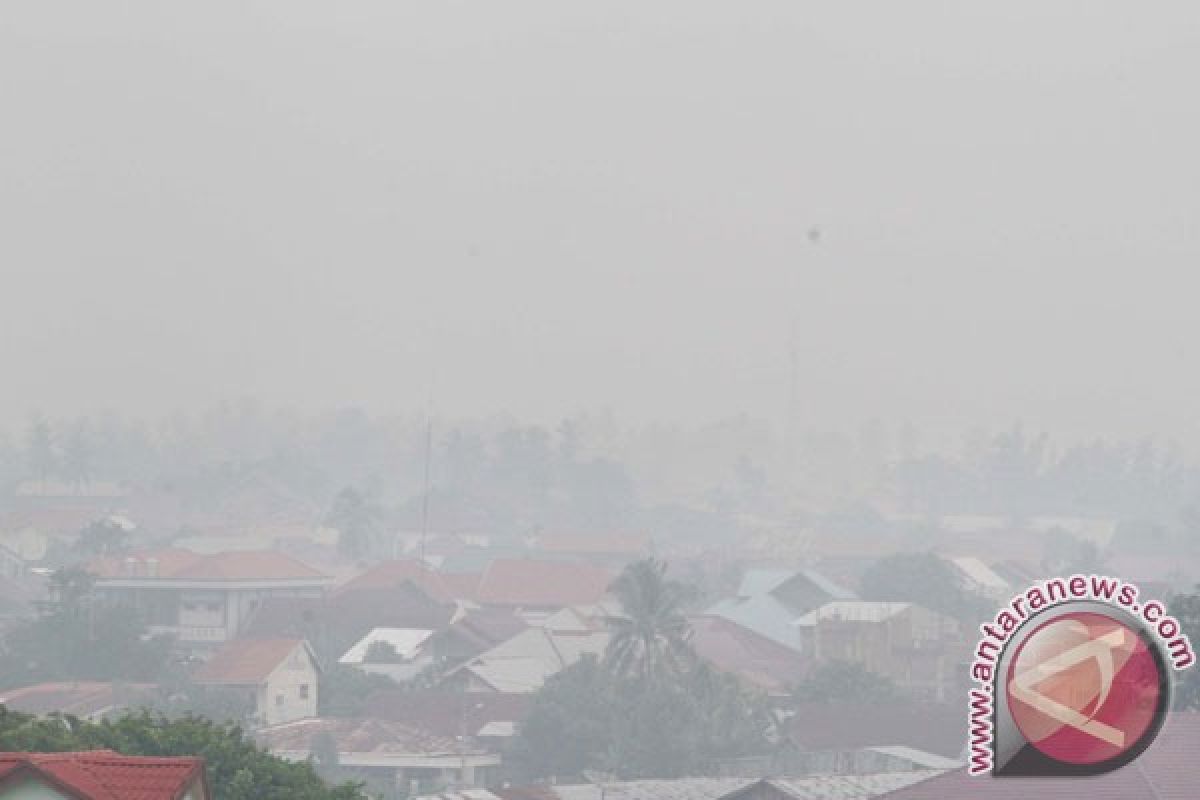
(462,585)
(81,698)
(390,574)
(184,565)
(555,584)
(247,662)
(106,775)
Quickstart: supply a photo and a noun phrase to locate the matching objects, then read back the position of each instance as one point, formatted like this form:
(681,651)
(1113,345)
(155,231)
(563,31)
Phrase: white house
(280,677)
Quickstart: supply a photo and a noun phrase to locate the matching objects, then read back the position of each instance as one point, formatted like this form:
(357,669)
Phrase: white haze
(961,214)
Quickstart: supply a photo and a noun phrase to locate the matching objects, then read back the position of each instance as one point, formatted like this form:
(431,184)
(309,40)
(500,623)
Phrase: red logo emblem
(1085,688)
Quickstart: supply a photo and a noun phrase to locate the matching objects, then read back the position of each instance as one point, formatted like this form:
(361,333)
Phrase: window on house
(279,699)
(304,691)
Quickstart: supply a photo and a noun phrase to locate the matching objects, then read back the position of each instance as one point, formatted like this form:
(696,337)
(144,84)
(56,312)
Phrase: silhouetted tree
(651,635)
(924,579)
(358,521)
(839,682)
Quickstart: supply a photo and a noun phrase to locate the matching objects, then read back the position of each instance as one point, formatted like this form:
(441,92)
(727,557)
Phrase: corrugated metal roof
(762,614)
(978,572)
(918,757)
(852,611)
(682,789)
(849,787)
(405,641)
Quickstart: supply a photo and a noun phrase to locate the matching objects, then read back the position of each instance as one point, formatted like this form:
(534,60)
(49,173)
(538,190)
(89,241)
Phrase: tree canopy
(75,638)
(836,682)
(237,768)
(924,579)
(650,708)
(650,636)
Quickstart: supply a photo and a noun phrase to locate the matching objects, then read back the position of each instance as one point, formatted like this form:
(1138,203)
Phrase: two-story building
(203,600)
(913,646)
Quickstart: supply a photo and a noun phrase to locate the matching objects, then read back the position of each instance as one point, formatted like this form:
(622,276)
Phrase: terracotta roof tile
(179,565)
(246,662)
(390,574)
(751,656)
(83,698)
(105,775)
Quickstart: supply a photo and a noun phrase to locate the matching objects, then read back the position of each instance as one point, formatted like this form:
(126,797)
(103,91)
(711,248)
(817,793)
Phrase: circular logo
(1085,688)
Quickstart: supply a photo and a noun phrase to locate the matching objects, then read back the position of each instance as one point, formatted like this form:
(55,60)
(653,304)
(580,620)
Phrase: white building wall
(291,690)
(31,788)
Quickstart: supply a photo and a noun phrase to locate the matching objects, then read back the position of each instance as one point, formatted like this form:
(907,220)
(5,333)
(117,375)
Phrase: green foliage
(237,768)
(837,682)
(344,691)
(40,457)
(358,521)
(78,639)
(924,579)
(101,538)
(381,652)
(569,727)
(653,726)
(650,708)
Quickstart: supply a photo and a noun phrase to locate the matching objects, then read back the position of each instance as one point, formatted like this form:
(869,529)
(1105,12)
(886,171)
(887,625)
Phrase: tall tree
(77,455)
(77,639)
(924,579)
(358,521)
(39,450)
(651,635)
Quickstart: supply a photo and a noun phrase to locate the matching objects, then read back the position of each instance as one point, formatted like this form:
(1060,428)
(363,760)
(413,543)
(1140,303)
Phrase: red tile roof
(463,585)
(246,662)
(1168,770)
(390,574)
(547,584)
(83,698)
(753,657)
(105,775)
(184,565)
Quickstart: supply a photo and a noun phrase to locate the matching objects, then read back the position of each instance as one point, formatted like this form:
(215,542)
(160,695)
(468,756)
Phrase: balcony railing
(192,633)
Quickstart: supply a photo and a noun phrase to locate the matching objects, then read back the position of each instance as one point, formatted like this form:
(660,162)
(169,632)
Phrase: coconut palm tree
(650,638)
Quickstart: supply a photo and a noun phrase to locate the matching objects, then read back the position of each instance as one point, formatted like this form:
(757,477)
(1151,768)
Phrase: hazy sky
(557,206)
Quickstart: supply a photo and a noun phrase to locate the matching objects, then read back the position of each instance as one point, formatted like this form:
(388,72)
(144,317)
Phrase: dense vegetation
(237,768)
(650,708)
